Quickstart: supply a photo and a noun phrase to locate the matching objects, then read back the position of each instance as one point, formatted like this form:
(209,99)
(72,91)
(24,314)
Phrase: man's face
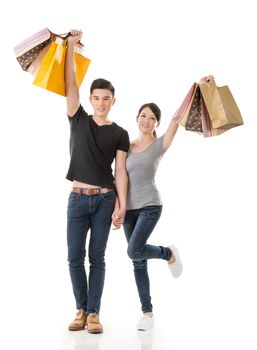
(102,101)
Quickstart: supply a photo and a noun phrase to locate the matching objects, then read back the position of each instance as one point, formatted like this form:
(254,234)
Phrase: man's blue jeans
(138,226)
(84,213)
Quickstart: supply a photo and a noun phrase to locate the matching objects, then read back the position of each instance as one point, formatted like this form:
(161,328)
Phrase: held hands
(118,218)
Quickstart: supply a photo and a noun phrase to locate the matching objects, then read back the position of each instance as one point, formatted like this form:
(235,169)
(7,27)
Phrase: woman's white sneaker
(145,323)
(175,264)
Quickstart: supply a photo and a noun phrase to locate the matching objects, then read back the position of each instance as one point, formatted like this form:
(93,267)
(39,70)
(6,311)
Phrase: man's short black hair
(102,84)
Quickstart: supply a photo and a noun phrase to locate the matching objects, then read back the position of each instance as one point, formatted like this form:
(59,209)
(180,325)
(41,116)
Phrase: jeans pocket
(74,196)
(109,196)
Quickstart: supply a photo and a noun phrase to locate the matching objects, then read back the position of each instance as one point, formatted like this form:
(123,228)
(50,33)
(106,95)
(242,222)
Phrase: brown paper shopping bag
(222,108)
(208,129)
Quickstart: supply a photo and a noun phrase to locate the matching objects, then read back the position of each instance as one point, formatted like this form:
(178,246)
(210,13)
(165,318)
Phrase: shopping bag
(221,106)
(208,110)
(35,65)
(28,50)
(194,120)
(50,75)
(182,113)
(207,127)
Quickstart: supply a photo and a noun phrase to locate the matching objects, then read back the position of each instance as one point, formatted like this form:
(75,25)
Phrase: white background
(151,51)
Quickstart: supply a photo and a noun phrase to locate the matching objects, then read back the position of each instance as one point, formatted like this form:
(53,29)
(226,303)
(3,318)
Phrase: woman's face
(147,121)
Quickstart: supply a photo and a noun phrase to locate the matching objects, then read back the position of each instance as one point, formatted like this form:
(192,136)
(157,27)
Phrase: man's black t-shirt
(93,148)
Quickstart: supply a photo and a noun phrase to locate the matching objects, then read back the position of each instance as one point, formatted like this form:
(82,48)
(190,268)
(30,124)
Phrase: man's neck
(101,120)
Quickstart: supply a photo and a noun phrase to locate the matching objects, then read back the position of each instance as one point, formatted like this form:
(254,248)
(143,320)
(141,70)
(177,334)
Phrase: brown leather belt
(91,191)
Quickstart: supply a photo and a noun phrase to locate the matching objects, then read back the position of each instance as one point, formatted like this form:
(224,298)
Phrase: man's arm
(71,87)
(121,181)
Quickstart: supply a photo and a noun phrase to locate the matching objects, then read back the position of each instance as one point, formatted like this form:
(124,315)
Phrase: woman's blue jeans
(138,226)
(88,213)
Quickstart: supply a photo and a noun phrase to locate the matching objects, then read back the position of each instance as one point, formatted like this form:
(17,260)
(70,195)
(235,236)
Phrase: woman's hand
(206,79)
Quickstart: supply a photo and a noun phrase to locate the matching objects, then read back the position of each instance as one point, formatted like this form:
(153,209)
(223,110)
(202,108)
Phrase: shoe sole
(76,329)
(95,332)
(144,330)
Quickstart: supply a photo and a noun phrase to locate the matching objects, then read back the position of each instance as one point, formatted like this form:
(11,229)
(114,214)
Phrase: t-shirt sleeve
(80,113)
(123,143)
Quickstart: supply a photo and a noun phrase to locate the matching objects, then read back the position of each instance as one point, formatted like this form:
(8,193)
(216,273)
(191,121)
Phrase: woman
(144,205)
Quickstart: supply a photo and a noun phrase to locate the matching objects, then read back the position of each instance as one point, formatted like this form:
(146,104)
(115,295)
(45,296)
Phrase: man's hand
(75,37)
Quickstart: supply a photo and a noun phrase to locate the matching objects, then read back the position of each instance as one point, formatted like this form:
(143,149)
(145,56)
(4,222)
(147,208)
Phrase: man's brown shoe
(79,322)
(93,324)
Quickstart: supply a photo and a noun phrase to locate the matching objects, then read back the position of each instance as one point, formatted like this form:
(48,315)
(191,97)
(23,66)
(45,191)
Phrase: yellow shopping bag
(50,75)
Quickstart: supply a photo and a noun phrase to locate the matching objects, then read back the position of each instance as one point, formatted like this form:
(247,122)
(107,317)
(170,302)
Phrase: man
(94,142)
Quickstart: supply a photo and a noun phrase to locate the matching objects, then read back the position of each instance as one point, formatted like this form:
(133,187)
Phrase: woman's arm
(170,133)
